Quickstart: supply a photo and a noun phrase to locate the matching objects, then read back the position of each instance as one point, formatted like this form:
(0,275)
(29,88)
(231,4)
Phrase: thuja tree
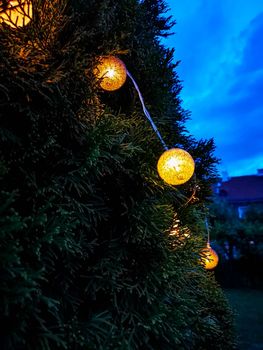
(87,259)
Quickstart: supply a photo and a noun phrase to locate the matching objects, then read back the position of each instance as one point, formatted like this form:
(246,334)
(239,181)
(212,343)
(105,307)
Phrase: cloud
(245,94)
(196,34)
(232,110)
(221,48)
(246,166)
(253,51)
(242,107)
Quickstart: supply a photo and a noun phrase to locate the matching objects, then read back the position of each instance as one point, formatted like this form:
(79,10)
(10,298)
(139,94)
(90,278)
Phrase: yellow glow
(17,14)
(112,73)
(174,163)
(175,166)
(211,257)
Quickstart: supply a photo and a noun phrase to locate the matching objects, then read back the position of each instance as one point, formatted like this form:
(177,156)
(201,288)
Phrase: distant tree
(241,242)
(226,226)
(253,228)
(230,231)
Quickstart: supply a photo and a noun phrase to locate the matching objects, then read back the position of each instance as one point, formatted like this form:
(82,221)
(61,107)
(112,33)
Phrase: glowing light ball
(17,13)
(211,257)
(112,73)
(175,166)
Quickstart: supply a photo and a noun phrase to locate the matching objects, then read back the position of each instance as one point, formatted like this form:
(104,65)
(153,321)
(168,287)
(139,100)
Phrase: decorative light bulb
(112,73)
(210,257)
(175,166)
(18,13)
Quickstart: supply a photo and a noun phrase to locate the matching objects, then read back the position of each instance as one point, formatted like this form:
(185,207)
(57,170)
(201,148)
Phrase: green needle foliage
(87,261)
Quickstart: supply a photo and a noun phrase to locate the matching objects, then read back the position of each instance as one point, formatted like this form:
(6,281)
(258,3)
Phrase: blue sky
(220,46)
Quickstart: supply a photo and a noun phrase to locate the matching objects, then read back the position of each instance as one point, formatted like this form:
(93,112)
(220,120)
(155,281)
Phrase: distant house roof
(243,189)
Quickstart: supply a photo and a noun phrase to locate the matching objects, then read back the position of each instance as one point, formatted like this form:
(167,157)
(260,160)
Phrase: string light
(17,13)
(175,166)
(210,257)
(111,72)
(146,112)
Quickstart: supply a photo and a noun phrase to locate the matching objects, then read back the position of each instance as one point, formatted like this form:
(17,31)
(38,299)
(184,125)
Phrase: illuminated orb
(17,13)
(210,257)
(112,73)
(175,166)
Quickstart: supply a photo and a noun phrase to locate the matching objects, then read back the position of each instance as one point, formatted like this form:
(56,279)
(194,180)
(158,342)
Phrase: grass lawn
(248,307)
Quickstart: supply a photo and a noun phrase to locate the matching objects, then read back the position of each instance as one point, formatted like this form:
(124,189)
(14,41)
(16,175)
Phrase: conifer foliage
(87,261)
